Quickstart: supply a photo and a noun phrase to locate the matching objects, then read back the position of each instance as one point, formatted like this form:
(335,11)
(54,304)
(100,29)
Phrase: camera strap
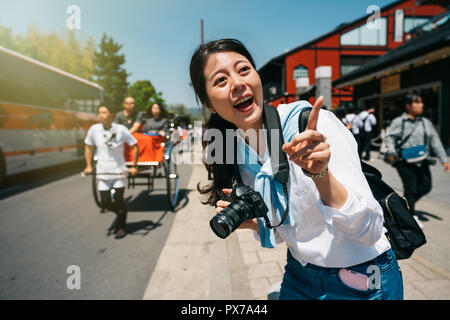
(279,162)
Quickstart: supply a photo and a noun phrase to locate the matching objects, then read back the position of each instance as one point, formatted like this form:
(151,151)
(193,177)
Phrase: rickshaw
(156,154)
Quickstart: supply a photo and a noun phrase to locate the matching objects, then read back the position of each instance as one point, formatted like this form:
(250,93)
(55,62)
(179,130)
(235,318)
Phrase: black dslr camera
(247,204)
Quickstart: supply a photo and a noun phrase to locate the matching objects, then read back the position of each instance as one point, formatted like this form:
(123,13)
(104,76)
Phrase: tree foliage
(109,72)
(65,52)
(145,94)
(103,65)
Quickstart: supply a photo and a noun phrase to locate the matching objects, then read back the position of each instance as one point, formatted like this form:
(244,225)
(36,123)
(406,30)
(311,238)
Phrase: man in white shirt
(366,123)
(109,139)
(351,122)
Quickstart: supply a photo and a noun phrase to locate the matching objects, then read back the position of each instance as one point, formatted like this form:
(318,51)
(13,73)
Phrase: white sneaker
(418,221)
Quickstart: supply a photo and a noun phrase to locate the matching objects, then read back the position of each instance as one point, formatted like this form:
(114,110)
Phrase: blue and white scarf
(265,182)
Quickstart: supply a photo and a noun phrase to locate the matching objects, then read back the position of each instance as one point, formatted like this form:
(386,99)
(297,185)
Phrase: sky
(160,36)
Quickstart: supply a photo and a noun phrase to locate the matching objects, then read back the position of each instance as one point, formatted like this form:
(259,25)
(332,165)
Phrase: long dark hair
(163,112)
(223,174)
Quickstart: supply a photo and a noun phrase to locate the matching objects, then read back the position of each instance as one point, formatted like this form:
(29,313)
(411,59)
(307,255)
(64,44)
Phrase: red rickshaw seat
(150,148)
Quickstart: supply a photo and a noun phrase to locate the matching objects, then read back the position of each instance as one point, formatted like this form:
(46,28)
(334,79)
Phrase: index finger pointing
(314,115)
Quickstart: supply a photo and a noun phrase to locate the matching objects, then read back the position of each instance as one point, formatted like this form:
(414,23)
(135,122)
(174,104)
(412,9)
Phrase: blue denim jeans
(314,282)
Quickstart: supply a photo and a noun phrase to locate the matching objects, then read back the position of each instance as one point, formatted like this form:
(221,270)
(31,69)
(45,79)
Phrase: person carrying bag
(409,139)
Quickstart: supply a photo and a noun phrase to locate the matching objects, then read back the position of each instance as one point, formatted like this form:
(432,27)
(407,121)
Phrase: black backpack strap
(303,118)
(280,164)
(237,174)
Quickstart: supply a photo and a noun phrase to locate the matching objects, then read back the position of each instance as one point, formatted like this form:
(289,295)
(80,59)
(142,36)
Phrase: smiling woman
(326,213)
(222,172)
(233,86)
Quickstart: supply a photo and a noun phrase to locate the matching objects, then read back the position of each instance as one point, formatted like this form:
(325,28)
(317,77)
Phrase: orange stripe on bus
(19,117)
(34,151)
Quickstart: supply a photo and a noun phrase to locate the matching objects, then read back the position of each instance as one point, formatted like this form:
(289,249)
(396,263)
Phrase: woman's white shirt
(322,235)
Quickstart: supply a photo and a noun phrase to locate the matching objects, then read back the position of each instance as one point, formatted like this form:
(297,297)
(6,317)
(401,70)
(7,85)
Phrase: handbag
(402,230)
(414,154)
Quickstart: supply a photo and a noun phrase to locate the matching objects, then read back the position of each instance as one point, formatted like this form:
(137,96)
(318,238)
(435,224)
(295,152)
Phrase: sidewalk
(197,265)
(422,280)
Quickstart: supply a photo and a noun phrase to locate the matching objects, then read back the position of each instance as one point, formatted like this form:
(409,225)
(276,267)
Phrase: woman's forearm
(332,192)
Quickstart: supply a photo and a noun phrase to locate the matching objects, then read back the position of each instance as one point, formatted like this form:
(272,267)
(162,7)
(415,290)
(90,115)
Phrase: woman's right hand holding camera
(247,224)
(221,204)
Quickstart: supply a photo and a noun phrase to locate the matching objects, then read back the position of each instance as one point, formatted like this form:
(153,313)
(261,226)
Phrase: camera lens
(231,217)
(220,226)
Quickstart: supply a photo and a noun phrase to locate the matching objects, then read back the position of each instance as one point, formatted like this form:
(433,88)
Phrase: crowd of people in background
(363,125)
(410,141)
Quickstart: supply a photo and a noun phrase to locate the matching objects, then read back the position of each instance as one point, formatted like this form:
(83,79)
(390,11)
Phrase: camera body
(247,204)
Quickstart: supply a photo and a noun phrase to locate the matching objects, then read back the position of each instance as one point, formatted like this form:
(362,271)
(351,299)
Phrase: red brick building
(292,75)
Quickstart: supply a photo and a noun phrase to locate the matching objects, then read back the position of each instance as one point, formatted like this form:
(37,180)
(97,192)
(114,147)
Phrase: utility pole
(201,28)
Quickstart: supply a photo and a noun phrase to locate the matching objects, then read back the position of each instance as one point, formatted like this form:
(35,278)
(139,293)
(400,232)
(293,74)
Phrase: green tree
(66,53)
(145,94)
(87,58)
(109,72)
(6,37)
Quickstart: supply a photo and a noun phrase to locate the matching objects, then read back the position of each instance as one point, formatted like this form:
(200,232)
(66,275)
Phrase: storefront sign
(391,83)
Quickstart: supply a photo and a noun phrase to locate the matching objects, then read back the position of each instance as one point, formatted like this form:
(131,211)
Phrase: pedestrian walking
(366,124)
(350,121)
(109,139)
(330,221)
(409,141)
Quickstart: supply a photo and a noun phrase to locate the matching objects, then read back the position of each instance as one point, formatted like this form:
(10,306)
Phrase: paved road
(48,226)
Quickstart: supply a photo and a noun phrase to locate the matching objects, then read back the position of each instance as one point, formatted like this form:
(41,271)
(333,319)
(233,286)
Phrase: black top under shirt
(152,124)
(128,120)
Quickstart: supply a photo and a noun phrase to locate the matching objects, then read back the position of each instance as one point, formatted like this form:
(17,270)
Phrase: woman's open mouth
(244,104)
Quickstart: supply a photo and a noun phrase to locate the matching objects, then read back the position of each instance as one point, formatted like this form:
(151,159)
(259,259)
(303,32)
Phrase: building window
(363,36)
(412,22)
(300,72)
(350,63)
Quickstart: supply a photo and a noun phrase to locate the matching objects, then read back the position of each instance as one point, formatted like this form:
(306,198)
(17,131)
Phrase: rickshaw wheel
(96,193)
(172,183)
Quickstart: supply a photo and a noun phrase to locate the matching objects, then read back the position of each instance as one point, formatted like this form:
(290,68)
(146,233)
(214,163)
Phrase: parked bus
(44,114)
